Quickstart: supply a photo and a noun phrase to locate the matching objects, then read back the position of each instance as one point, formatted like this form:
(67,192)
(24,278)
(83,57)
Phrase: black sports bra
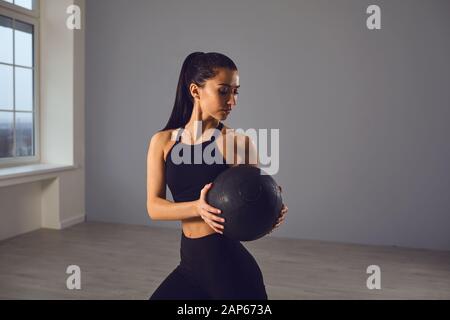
(186,180)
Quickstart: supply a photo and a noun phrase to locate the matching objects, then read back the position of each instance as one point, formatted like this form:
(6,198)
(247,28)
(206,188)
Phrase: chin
(223,116)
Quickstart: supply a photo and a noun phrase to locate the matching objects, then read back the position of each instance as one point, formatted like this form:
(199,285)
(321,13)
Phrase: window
(18,82)
(27,4)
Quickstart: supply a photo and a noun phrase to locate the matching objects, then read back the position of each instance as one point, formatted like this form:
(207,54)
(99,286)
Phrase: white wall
(53,200)
(363,114)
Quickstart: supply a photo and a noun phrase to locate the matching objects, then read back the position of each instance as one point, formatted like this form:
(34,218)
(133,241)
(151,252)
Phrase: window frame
(22,10)
(32,17)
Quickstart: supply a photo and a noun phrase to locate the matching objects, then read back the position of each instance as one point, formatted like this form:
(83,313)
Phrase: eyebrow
(225,84)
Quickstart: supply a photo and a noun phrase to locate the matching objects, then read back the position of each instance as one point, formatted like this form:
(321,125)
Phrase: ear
(194,90)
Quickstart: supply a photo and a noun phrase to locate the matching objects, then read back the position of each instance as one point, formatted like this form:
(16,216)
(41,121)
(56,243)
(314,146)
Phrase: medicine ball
(249,199)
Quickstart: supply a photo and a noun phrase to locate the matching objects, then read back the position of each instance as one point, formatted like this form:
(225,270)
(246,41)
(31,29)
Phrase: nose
(232,101)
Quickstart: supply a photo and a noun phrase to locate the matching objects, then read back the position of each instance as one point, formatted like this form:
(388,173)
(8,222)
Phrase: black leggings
(213,267)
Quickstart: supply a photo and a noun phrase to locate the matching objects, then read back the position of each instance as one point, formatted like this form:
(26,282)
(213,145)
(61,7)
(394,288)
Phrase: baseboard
(72,221)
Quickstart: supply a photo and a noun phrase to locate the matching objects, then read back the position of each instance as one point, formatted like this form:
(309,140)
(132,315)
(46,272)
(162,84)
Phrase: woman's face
(219,94)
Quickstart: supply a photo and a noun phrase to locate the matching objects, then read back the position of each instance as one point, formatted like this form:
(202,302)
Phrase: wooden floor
(129,262)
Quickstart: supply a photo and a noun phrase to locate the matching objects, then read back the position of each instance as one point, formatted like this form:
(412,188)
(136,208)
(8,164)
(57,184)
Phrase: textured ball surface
(250,202)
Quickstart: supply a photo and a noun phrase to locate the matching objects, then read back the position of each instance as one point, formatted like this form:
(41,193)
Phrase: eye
(225,92)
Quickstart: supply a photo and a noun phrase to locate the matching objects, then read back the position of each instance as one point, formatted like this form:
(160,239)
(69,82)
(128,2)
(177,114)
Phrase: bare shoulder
(246,148)
(161,142)
(237,136)
(161,139)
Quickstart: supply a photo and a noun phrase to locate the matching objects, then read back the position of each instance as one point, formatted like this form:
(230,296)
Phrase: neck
(199,123)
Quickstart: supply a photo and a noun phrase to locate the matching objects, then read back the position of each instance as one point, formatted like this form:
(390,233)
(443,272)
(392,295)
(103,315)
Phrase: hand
(208,213)
(281,217)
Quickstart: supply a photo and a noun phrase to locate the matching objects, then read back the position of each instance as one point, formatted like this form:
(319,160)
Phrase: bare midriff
(196,228)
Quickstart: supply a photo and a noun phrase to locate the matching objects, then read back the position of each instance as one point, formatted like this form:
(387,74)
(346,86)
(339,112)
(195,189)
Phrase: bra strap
(180,132)
(218,130)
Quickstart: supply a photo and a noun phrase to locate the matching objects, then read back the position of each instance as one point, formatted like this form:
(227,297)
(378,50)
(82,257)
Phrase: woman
(212,266)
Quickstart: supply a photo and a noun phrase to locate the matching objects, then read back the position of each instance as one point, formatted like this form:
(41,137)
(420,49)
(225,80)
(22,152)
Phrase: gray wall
(363,115)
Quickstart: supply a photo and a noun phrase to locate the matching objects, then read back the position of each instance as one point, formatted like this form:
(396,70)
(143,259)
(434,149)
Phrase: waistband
(207,237)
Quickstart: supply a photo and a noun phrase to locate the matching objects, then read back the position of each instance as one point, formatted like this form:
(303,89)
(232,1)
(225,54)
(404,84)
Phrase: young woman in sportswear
(212,266)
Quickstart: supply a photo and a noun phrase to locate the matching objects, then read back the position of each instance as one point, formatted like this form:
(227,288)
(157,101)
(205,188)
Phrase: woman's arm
(158,207)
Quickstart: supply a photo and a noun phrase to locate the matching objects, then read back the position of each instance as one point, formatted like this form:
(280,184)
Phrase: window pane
(28,4)
(24,134)
(6,134)
(6,40)
(24,89)
(6,87)
(23,42)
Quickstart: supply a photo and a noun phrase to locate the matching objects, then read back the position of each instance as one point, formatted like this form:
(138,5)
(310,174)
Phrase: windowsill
(30,173)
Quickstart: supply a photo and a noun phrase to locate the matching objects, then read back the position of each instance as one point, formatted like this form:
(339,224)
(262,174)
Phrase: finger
(212,216)
(216,229)
(281,215)
(212,209)
(208,208)
(205,190)
(211,222)
(214,224)
(278,224)
(280,219)
(217,226)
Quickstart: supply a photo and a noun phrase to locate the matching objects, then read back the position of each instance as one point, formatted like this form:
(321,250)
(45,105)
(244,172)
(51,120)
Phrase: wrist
(194,208)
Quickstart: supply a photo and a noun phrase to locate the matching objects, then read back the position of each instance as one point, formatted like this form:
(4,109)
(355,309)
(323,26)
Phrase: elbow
(151,211)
